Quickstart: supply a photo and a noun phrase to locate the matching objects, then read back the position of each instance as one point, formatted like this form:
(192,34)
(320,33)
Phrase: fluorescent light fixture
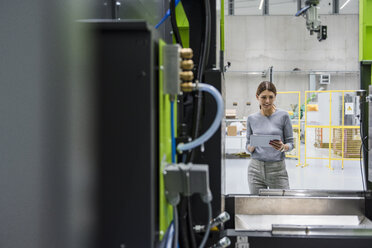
(261,3)
(345,4)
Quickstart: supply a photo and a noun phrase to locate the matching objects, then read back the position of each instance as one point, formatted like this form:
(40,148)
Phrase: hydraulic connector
(222,243)
(187,64)
(186,53)
(188,86)
(187,76)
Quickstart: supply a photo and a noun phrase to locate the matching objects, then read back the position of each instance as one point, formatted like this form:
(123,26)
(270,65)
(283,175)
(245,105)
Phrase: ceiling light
(345,4)
(261,3)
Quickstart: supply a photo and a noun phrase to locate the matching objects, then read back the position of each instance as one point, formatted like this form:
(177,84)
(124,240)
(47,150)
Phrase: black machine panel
(212,154)
(125,94)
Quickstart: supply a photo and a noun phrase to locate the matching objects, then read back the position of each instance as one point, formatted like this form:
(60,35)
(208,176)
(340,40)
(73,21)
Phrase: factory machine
(157,95)
(112,134)
(158,87)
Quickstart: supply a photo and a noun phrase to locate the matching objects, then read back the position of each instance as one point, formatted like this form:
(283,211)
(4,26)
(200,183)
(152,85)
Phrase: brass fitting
(186,53)
(187,64)
(187,86)
(186,75)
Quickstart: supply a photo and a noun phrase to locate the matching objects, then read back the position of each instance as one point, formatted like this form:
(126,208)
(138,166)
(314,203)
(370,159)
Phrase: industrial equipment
(306,218)
(183,143)
(313,24)
(114,156)
(131,59)
(185,137)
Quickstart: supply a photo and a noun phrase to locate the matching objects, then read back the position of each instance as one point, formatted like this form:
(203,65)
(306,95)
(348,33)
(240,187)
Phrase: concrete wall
(289,7)
(253,43)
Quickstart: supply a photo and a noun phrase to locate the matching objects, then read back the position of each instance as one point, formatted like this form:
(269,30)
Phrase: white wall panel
(253,43)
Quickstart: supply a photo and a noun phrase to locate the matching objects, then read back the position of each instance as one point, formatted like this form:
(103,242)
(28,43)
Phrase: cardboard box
(230,113)
(232,130)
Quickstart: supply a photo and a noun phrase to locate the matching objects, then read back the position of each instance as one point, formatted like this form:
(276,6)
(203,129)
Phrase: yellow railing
(330,127)
(296,126)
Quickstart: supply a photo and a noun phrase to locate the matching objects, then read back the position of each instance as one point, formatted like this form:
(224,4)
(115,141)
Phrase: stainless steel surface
(301,72)
(327,233)
(303,213)
(171,69)
(265,222)
(285,205)
(310,193)
(363,229)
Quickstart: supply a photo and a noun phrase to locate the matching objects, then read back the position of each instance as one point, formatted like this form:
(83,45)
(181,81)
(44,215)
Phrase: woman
(267,166)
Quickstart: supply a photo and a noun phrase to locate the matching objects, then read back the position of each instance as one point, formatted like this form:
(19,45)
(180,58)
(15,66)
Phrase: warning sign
(349,108)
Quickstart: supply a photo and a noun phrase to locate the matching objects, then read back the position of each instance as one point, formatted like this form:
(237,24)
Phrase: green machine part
(365,31)
(165,146)
(222,26)
(165,143)
(183,26)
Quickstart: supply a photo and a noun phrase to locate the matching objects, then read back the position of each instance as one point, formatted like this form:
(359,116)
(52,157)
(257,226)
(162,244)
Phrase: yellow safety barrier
(296,152)
(352,132)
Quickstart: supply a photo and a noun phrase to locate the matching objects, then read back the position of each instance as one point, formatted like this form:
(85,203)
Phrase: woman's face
(266,99)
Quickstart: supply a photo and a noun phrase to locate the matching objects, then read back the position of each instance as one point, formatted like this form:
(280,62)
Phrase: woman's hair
(265,85)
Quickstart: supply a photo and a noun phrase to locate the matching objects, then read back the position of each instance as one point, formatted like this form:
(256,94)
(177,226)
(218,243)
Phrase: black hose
(209,25)
(197,117)
(176,227)
(184,237)
(363,144)
(190,224)
(365,147)
(205,45)
(361,167)
(172,7)
(204,55)
(208,227)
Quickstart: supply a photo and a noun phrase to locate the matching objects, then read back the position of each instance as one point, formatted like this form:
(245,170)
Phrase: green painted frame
(365,30)
(165,146)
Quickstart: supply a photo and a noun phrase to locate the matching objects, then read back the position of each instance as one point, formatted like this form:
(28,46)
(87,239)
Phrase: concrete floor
(314,176)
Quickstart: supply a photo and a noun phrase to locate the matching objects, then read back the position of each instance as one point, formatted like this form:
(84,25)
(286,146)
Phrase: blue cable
(301,11)
(167,14)
(172,134)
(168,236)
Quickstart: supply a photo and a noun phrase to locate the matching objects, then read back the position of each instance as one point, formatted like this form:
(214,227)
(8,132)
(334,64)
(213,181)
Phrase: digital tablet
(263,140)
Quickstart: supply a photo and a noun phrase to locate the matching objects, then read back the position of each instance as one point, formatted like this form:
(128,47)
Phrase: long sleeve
(288,133)
(249,133)
(278,123)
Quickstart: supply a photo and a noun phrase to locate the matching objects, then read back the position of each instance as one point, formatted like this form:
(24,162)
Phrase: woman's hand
(278,145)
(251,149)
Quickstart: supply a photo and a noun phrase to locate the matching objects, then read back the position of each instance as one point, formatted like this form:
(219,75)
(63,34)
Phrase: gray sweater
(278,123)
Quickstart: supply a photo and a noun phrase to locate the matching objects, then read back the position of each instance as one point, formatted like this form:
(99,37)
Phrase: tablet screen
(263,140)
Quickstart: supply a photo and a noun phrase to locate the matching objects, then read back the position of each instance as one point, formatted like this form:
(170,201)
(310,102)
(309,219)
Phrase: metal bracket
(186,179)
(171,69)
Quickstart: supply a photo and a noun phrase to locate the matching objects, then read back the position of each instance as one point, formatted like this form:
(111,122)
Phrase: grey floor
(314,176)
